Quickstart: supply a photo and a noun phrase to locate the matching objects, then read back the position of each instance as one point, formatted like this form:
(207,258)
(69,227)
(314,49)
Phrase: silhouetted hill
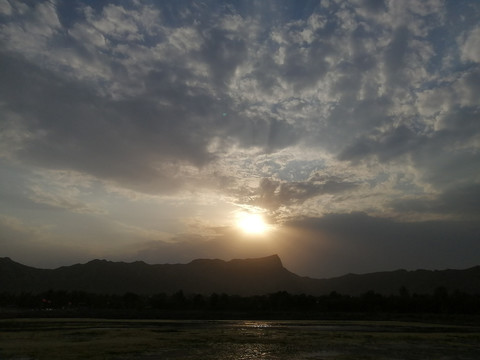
(418,281)
(205,276)
(243,277)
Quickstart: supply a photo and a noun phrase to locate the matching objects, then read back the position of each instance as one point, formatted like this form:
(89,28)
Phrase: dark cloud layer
(121,140)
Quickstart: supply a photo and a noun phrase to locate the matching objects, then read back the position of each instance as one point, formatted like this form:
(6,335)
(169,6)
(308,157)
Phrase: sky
(145,130)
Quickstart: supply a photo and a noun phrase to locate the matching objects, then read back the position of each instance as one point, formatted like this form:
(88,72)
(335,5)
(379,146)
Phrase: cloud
(128,95)
(461,201)
(95,135)
(385,146)
(299,108)
(66,201)
(373,6)
(396,51)
(273,194)
(470,45)
(5,7)
(147,118)
(223,51)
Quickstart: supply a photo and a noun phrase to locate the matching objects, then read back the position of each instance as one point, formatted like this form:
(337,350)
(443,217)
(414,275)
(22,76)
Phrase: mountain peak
(275,259)
(98,261)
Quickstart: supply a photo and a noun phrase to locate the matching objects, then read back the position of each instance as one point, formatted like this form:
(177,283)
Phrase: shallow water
(234,340)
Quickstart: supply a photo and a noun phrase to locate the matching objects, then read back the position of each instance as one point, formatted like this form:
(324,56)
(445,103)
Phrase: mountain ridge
(254,276)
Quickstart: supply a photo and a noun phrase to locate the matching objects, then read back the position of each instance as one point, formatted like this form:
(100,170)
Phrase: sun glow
(252,223)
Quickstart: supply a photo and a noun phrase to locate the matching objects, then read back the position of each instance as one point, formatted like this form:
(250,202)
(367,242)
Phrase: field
(42,339)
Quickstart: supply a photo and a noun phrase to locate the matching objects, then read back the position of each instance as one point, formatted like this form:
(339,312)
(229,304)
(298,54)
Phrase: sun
(252,223)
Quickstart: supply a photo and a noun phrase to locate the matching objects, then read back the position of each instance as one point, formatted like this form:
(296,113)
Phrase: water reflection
(256,324)
(253,351)
(248,340)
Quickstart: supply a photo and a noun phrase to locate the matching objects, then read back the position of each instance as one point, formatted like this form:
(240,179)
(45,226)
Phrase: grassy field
(65,339)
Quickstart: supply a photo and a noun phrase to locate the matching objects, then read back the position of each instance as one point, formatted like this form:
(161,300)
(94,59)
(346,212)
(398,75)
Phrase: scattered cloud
(299,109)
(469,45)
(273,194)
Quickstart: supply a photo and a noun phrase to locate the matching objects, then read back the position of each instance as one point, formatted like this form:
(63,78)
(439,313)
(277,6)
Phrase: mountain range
(244,277)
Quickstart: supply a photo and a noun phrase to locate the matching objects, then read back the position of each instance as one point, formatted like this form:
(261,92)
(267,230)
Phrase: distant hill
(418,281)
(204,276)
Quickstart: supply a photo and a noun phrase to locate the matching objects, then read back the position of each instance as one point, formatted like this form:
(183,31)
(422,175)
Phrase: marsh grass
(66,339)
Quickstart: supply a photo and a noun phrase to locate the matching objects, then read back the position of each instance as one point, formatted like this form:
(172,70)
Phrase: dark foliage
(440,302)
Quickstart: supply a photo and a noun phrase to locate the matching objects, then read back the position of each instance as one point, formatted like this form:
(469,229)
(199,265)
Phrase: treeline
(440,302)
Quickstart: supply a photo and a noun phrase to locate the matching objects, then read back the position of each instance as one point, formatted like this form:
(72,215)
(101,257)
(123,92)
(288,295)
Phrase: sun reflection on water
(256,324)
